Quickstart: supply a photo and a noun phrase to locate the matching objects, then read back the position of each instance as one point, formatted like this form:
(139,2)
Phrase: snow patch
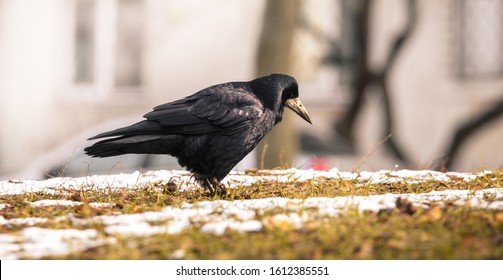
(185,181)
(63,202)
(36,242)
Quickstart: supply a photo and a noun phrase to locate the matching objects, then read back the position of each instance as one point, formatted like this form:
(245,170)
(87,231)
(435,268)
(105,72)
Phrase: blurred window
(128,53)
(108,44)
(84,41)
(479,42)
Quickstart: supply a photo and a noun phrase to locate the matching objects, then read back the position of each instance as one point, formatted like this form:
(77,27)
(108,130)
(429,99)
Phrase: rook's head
(277,91)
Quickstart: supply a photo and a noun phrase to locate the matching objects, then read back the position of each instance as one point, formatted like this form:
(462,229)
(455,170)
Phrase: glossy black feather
(210,131)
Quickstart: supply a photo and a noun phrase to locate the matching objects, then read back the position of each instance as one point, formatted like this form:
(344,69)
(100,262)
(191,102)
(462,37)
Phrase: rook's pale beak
(295,105)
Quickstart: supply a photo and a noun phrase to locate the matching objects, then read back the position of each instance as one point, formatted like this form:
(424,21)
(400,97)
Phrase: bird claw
(214,187)
(219,189)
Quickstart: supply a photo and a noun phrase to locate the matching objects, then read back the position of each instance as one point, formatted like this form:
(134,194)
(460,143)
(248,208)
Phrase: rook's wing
(226,108)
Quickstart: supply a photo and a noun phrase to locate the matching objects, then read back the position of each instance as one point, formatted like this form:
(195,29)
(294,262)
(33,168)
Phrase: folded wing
(226,109)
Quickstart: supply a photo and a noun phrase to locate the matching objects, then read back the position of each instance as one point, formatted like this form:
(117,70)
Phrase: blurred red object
(319,163)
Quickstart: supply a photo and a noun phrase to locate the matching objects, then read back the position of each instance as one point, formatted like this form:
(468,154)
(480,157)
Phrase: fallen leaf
(434,213)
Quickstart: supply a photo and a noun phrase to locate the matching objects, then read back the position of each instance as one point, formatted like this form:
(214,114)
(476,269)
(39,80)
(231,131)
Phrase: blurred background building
(389,83)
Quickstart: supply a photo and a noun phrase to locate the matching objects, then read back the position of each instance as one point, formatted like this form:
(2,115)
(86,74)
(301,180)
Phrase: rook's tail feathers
(136,144)
(140,128)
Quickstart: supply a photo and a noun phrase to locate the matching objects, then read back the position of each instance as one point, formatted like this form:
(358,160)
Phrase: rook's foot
(221,190)
(214,187)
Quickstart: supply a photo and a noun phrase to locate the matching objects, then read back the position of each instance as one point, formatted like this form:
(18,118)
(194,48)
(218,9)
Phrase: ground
(266,214)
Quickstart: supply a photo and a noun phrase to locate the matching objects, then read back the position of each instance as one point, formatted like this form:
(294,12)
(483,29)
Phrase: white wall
(29,54)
